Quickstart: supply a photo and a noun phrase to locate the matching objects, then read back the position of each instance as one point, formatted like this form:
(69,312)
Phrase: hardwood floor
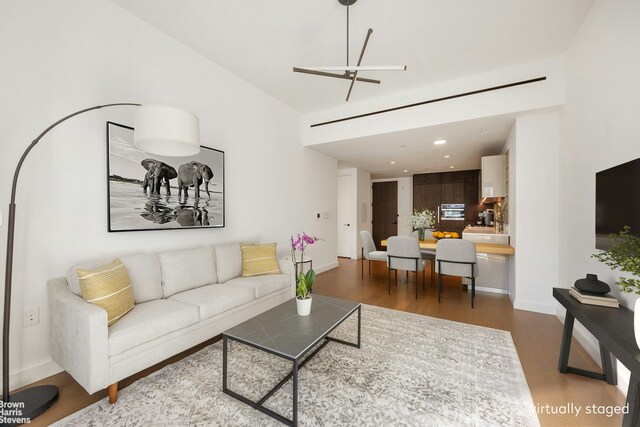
(536,337)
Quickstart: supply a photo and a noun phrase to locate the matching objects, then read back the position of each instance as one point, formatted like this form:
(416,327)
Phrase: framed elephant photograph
(148,192)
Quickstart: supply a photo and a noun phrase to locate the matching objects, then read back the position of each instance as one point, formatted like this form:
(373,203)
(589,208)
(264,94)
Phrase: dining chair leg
(439,281)
(362,265)
(396,271)
(416,279)
(473,290)
(369,267)
(389,279)
(424,272)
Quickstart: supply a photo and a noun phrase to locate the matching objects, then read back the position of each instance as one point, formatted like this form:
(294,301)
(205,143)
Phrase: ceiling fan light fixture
(350,72)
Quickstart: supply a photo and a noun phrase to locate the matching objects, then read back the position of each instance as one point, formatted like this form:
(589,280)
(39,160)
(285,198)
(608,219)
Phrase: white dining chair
(428,254)
(403,253)
(456,257)
(369,250)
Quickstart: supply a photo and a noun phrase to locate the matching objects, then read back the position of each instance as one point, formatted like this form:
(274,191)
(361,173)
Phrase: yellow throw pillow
(259,259)
(108,287)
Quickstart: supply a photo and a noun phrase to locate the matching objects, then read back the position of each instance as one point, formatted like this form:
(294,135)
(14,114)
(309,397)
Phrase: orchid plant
(305,281)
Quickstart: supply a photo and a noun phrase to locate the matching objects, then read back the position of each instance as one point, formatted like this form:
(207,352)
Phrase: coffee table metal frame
(298,363)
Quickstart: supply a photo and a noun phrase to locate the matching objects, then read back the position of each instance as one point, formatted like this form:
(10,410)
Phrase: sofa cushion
(184,270)
(259,259)
(148,321)
(215,299)
(145,274)
(263,285)
(108,287)
(228,261)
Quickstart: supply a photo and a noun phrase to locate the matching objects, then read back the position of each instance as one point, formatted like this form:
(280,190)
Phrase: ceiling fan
(350,72)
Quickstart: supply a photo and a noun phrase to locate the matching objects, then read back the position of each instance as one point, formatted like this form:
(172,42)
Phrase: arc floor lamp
(159,130)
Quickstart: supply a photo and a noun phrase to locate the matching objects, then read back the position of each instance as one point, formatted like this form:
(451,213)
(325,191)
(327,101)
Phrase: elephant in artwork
(159,173)
(193,174)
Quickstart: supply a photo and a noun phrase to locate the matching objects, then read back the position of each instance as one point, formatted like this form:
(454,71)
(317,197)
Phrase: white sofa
(181,299)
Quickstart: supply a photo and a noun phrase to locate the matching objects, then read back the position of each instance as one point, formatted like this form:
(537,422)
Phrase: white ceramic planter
(303,306)
(636,322)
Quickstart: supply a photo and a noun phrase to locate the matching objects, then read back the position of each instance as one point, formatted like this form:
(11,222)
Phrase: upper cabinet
(492,177)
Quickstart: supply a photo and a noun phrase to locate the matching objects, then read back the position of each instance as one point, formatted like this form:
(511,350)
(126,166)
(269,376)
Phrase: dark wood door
(385,211)
(433,197)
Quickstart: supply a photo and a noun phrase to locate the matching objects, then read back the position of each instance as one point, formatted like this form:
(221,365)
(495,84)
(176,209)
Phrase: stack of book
(594,299)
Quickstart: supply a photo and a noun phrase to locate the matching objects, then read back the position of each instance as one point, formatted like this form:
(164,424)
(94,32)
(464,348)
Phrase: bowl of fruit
(445,235)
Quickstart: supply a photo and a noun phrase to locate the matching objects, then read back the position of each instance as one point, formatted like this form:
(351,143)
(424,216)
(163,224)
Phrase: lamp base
(27,404)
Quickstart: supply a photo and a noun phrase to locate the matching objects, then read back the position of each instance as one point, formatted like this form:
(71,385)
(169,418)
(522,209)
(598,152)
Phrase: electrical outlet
(317,215)
(30,317)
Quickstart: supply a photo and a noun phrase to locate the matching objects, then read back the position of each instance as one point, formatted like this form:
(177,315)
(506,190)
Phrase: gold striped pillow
(259,259)
(108,287)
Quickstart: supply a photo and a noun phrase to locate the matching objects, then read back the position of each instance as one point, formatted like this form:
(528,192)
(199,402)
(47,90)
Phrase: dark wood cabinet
(433,189)
(453,192)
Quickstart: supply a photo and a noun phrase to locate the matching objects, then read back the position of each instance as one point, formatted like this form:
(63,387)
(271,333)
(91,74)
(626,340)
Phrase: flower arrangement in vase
(304,281)
(421,220)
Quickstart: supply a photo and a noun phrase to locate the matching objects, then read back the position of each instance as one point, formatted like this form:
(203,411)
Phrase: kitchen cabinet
(492,177)
(433,189)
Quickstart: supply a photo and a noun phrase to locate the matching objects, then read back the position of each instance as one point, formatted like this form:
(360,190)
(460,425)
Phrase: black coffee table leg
(224,363)
(295,393)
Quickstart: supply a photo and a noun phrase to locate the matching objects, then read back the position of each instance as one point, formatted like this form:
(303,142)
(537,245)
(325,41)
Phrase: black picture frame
(143,192)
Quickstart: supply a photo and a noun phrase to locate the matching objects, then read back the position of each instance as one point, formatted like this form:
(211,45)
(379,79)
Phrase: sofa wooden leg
(113,393)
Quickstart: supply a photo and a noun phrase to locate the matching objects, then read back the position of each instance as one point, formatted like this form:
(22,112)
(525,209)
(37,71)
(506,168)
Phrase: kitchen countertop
(483,248)
(483,230)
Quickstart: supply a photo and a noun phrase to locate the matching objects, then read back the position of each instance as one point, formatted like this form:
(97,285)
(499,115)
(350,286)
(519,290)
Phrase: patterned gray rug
(412,370)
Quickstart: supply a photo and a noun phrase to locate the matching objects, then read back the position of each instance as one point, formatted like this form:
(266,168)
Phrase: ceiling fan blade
(359,68)
(355,74)
(336,76)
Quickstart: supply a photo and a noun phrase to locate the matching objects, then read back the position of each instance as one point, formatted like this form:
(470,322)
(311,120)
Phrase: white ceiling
(414,150)
(261,40)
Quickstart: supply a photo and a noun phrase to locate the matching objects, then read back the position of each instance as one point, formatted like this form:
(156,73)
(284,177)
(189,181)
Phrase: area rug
(412,370)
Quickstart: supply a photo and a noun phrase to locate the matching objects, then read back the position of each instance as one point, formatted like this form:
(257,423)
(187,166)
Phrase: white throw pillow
(228,261)
(184,270)
(145,275)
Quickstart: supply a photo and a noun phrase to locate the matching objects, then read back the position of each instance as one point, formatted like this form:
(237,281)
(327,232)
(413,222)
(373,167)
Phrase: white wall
(536,191)
(360,206)
(405,202)
(71,54)
(600,130)
(510,150)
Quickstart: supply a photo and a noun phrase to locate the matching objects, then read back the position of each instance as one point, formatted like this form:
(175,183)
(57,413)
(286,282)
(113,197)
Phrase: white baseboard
(533,306)
(492,290)
(326,267)
(33,374)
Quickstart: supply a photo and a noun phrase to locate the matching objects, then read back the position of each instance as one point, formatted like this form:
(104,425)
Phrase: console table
(613,328)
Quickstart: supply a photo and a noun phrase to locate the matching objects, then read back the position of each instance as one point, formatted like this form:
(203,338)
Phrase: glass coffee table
(281,332)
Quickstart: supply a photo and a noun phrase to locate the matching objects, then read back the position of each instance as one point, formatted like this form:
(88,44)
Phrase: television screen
(617,201)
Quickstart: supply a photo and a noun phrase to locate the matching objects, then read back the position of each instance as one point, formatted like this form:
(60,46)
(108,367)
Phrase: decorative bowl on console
(592,285)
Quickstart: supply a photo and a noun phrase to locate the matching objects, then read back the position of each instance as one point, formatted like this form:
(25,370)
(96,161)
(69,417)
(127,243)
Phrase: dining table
(481,248)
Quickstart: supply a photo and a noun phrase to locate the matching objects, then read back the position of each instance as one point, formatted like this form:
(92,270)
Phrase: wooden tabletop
(482,248)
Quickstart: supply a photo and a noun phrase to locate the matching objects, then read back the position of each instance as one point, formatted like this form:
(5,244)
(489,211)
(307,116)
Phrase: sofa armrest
(79,336)
(286,267)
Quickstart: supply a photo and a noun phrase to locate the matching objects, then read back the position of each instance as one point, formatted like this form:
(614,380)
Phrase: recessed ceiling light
(405,171)
(447,156)
(392,162)
(451,167)
(440,141)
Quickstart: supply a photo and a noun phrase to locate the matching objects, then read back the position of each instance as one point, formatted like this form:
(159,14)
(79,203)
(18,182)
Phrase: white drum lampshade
(166,131)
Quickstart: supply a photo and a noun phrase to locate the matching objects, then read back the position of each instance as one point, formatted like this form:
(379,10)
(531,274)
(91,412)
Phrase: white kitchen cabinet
(492,177)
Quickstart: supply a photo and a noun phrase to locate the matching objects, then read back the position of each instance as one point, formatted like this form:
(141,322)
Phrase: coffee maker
(487,215)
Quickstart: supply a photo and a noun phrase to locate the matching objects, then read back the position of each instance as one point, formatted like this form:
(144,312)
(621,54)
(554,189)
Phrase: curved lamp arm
(10,232)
